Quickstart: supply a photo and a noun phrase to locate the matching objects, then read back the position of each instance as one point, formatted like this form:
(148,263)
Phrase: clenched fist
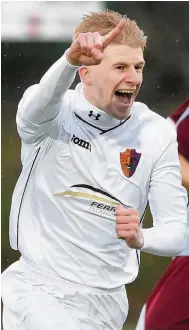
(88,47)
(128,226)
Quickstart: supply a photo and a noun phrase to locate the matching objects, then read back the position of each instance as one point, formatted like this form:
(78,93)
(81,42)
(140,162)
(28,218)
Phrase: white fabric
(69,150)
(185,252)
(141,320)
(185,114)
(182,117)
(33,301)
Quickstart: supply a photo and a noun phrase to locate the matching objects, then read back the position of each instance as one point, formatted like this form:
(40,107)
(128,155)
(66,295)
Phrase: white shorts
(34,301)
(141,321)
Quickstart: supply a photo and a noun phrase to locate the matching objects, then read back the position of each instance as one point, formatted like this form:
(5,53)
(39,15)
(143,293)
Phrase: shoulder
(69,96)
(68,105)
(181,113)
(152,122)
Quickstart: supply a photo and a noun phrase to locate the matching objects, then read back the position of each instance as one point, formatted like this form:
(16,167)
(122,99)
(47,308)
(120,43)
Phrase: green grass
(129,327)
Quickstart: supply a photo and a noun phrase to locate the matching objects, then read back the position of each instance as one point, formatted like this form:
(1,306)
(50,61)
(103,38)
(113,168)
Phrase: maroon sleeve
(182,129)
(176,114)
(183,137)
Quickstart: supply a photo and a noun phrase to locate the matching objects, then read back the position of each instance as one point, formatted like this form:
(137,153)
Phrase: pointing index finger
(112,34)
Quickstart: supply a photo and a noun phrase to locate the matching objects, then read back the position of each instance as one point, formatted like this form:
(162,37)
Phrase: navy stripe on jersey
(96,190)
(88,123)
(102,130)
(18,219)
(110,129)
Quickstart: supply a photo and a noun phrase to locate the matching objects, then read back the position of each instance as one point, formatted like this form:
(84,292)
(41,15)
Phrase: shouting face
(113,85)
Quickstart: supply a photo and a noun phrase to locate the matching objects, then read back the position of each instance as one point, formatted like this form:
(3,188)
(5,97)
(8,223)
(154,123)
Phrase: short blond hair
(105,21)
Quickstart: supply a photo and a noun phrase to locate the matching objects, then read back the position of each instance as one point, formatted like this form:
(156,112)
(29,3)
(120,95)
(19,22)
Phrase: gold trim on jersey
(86,195)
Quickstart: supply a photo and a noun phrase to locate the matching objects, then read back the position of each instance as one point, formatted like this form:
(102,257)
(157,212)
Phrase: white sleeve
(168,204)
(40,105)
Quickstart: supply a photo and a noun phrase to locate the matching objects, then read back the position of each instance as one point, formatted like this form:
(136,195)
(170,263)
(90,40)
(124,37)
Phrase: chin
(121,111)
(121,115)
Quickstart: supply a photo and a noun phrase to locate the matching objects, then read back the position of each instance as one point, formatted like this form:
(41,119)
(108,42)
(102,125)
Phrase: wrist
(141,241)
(70,60)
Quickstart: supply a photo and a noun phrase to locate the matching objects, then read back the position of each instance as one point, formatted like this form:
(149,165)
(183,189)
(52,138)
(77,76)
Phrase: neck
(92,114)
(90,97)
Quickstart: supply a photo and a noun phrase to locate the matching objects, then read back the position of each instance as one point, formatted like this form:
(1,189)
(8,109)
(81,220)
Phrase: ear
(85,75)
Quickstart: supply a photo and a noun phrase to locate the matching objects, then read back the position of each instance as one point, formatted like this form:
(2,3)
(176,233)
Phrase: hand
(128,227)
(88,47)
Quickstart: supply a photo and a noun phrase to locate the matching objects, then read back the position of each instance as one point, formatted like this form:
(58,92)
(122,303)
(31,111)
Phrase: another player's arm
(183,149)
(184,170)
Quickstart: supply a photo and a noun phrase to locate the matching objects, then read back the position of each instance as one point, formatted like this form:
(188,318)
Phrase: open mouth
(124,96)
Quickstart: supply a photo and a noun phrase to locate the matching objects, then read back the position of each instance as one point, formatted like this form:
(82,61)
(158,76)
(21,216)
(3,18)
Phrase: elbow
(185,240)
(180,240)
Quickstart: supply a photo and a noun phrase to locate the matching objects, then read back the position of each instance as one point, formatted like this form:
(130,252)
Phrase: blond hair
(105,21)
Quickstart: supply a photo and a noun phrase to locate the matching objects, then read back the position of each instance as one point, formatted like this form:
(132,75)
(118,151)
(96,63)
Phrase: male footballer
(92,158)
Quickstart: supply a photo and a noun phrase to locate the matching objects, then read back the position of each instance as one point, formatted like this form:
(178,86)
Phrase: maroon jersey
(181,119)
(168,306)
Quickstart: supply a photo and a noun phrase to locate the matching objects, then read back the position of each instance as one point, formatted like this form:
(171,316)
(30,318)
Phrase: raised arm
(87,49)
(41,103)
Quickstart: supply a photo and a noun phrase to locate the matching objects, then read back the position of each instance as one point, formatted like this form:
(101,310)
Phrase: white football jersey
(79,163)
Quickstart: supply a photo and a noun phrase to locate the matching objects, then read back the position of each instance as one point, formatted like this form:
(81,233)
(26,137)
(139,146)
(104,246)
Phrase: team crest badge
(129,160)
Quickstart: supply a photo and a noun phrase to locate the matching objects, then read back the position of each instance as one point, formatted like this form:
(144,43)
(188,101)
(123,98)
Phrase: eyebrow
(141,63)
(124,64)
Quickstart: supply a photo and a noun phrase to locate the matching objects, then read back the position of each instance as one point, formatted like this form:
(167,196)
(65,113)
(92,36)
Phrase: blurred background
(35,34)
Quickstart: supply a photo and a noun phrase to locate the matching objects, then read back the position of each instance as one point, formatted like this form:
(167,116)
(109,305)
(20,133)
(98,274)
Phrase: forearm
(42,102)
(168,204)
(165,240)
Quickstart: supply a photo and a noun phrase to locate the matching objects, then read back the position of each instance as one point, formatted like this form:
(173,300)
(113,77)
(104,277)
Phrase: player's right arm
(41,104)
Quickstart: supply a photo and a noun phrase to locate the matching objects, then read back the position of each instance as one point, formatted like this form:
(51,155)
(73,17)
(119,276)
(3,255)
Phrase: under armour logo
(96,116)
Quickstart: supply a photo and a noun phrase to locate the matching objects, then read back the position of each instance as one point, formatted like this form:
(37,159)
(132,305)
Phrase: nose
(132,77)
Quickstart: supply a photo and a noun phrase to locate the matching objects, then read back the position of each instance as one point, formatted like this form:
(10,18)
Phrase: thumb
(119,209)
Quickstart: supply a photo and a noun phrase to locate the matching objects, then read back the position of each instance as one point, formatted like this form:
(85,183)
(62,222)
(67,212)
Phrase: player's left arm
(168,204)
(168,201)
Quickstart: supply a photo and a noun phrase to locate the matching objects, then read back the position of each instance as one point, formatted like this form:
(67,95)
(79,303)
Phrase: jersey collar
(91,114)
